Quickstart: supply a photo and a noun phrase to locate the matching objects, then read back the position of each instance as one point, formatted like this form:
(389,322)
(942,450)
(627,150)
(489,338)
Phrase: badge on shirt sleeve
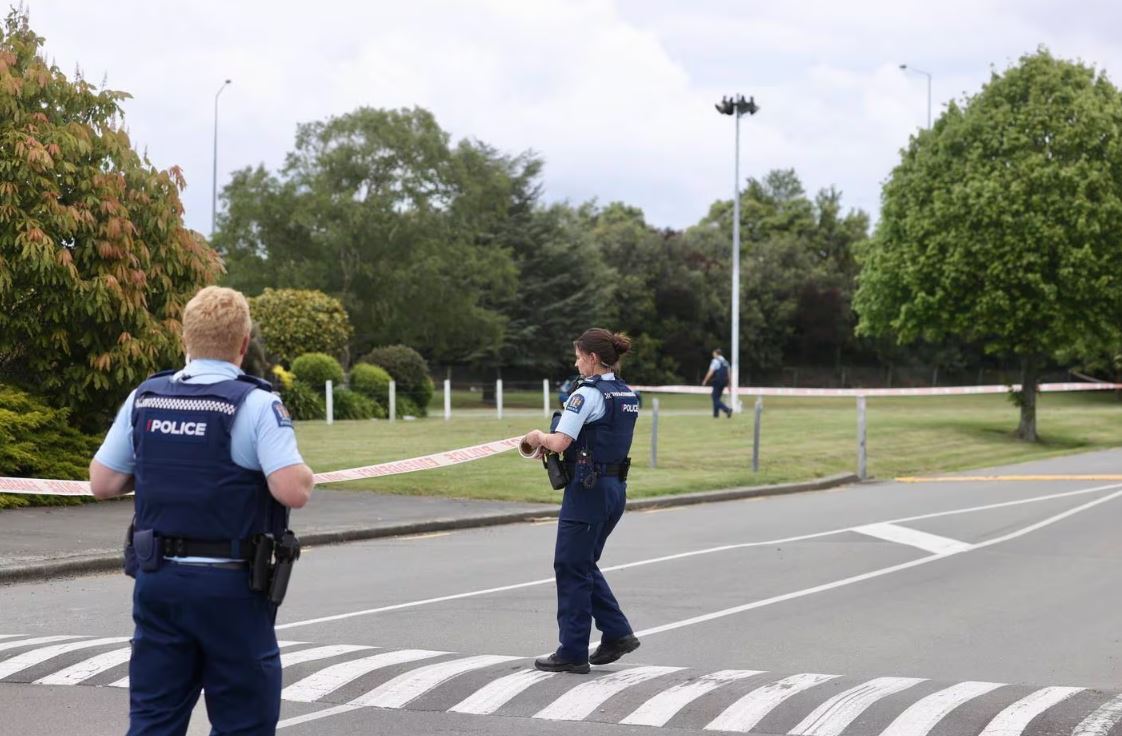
(284,419)
(576,401)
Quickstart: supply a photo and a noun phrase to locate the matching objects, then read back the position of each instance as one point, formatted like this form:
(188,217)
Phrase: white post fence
(654,433)
(756,435)
(862,456)
(447,399)
(545,397)
(393,400)
(329,393)
(499,397)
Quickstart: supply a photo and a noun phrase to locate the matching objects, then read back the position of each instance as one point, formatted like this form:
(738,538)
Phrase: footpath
(44,543)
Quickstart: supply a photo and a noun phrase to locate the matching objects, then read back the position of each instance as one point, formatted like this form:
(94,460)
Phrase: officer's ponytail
(609,346)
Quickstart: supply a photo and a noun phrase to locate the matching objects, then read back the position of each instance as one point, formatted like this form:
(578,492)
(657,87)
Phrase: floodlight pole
(214,170)
(736,107)
(907,68)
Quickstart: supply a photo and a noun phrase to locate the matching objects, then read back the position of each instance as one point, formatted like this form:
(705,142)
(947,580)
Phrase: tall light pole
(214,174)
(907,68)
(736,107)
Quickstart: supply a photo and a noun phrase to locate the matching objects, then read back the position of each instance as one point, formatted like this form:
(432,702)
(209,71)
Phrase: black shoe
(553,663)
(728,413)
(610,651)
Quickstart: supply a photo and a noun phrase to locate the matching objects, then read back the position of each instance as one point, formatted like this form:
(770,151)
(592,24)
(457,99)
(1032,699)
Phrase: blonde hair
(215,322)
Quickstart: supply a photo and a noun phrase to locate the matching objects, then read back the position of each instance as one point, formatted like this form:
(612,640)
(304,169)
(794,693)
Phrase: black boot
(610,651)
(553,663)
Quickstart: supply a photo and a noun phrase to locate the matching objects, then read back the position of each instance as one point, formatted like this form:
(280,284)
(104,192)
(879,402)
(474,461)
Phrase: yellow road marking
(985,478)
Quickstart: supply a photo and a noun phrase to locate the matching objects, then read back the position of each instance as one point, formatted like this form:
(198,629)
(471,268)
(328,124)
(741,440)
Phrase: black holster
(287,553)
(556,470)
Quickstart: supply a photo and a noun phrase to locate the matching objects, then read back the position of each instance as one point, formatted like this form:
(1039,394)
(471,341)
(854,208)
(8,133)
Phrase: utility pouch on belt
(261,563)
(147,551)
(131,564)
(287,552)
(556,470)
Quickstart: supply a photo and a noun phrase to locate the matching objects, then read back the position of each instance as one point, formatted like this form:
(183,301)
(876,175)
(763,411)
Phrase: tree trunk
(1030,378)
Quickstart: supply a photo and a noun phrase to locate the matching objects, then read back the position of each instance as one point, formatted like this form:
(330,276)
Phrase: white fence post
(330,394)
(654,433)
(862,456)
(756,435)
(499,397)
(545,397)
(393,400)
(447,399)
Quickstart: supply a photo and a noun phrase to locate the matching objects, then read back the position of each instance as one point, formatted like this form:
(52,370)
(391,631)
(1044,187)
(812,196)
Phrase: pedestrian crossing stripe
(725,701)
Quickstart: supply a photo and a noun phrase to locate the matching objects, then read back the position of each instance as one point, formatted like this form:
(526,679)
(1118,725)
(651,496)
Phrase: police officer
(719,372)
(212,457)
(594,432)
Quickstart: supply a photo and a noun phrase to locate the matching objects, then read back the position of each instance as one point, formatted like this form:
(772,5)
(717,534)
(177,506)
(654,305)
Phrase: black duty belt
(618,470)
(185,547)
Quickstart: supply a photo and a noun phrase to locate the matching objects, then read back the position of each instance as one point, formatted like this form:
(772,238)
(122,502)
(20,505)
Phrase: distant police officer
(719,372)
(594,432)
(212,456)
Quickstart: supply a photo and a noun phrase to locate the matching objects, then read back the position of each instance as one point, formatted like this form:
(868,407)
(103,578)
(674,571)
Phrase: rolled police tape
(870,392)
(45,487)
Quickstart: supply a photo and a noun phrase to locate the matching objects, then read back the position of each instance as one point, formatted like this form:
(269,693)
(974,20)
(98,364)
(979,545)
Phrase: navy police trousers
(583,595)
(202,627)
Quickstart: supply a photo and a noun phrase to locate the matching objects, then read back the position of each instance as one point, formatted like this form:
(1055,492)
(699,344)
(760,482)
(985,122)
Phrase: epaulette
(260,383)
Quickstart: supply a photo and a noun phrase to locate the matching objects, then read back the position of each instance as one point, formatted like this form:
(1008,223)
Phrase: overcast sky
(616,95)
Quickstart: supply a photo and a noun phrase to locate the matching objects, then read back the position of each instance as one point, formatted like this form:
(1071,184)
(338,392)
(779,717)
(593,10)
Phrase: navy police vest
(608,439)
(187,484)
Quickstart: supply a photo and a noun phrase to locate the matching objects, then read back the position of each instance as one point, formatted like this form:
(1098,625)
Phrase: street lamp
(736,107)
(214,175)
(907,68)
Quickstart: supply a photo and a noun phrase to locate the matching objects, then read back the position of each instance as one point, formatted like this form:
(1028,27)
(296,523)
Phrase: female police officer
(594,432)
(213,458)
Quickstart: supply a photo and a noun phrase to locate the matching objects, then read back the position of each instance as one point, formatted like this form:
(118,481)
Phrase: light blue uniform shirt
(259,439)
(584,406)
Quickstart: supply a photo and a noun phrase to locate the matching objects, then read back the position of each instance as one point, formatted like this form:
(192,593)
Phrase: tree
(1002,225)
(95,264)
(297,321)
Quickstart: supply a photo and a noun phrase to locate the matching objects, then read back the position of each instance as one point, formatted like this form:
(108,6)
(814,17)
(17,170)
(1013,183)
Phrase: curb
(112,562)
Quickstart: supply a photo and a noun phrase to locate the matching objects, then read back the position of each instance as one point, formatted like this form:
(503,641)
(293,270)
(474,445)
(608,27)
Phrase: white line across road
(86,669)
(576,704)
(495,695)
(330,679)
(692,553)
(925,714)
(664,706)
(833,716)
(317,653)
(743,715)
(37,656)
(34,640)
(1102,720)
(412,685)
(913,538)
(1012,720)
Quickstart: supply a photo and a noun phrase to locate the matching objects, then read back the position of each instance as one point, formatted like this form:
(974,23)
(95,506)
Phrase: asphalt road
(943,608)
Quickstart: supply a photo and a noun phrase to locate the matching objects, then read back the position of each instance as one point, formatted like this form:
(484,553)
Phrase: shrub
(37,441)
(371,381)
(410,372)
(303,401)
(312,369)
(405,406)
(298,321)
(352,405)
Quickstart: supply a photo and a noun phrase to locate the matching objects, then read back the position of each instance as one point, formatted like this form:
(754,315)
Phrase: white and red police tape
(47,487)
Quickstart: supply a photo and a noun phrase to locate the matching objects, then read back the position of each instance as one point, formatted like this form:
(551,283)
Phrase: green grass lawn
(801,439)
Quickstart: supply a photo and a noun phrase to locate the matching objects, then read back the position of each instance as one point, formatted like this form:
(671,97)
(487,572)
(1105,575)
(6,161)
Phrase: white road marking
(743,715)
(578,703)
(329,679)
(316,653)
(124,681)
(874,573)
(684,555)
(833,716)
(9,636)
(664,706)
(325,713)
(411,685)
(926,713)
(495,695)
(88,668)
(36,656)
(1012,720)
(1102,720)
(913,538)
(35,640)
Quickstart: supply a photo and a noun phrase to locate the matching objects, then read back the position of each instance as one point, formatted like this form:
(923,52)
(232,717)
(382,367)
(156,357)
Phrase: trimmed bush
(406,407)
(372,381)
(410,372)
(303,401)
(312,369)
(298,321)
(37,441)
(352,405)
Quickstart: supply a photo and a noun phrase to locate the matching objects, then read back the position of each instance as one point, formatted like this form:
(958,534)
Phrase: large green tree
(95,264)
(1002,225)
(377,208)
